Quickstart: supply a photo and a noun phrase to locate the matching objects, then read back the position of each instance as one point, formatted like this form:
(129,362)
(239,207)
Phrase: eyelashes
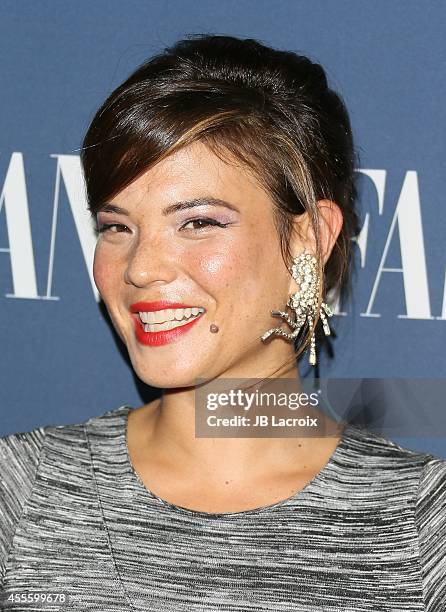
(207,222)
(105,227)
(204,221)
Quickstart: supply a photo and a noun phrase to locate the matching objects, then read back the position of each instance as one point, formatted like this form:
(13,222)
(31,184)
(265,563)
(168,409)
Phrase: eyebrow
(177,206)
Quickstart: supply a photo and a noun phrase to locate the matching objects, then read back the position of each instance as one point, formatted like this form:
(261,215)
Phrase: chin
(169,377)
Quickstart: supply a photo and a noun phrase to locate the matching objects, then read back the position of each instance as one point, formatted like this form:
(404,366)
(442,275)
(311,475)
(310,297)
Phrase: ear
(330,225)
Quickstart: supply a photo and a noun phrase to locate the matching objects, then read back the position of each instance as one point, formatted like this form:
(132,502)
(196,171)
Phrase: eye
(204,222)
(107,227)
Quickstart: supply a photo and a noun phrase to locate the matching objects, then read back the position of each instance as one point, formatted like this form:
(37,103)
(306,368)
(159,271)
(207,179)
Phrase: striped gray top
(368,533)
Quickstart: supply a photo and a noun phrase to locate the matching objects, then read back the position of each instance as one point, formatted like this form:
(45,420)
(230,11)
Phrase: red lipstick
(161,337)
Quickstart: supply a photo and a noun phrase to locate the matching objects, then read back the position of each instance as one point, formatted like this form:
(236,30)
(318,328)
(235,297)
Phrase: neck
(169,434)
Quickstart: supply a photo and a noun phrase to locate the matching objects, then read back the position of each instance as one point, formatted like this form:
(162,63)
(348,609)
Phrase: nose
(149,261)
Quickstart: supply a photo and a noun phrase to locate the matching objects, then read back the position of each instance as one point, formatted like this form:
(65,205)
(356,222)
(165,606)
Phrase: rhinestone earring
(304,303)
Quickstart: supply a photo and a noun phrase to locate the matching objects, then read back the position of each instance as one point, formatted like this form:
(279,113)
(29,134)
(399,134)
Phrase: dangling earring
(304,303)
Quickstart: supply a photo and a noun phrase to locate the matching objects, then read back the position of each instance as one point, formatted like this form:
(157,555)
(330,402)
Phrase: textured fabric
(368,533)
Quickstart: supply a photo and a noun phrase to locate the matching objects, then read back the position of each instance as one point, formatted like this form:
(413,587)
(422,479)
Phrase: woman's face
(223,260)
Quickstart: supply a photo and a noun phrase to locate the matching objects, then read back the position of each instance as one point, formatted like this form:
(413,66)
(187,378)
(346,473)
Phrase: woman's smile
(158,323)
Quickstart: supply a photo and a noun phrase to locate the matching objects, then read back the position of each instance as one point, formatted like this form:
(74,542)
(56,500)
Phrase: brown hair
(272,110)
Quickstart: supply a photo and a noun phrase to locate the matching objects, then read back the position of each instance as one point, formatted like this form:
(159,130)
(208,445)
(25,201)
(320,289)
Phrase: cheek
(103,270)
(243,269)
(217,267)
(222,268)
(98,268)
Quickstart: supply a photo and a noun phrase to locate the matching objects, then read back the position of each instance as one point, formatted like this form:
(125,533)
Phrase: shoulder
(400,474)
(379,453)
(20,451)
(430,515)
(20,457)
(392,472)
(431,495)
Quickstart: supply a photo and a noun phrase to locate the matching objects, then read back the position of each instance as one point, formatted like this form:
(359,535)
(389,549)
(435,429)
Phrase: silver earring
(304,303)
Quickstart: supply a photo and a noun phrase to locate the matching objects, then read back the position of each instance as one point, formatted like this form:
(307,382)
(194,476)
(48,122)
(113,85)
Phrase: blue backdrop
(60,362)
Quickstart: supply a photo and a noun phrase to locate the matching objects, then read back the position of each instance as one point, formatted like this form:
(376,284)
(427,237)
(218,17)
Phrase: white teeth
(148,327)
(158,318)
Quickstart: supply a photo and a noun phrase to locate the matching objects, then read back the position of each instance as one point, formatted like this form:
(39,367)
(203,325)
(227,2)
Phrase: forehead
(192,171)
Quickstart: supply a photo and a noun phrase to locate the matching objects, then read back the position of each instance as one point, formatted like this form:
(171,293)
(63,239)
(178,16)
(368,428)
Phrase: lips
(161,337)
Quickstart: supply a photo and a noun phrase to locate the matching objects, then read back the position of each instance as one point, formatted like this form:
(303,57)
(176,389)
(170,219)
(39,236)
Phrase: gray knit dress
(80,531)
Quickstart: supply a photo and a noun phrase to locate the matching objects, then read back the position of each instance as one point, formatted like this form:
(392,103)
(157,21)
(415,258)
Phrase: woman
(220,175)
